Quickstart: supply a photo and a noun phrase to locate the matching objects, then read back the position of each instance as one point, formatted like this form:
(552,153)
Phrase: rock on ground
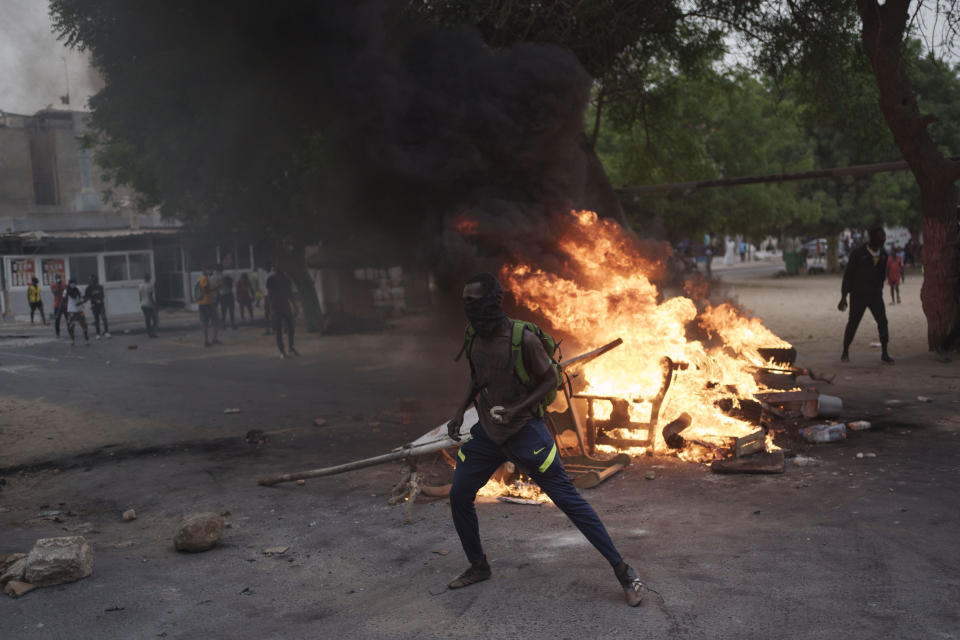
(57,560)
(15,588)
(12,567)
(199,532)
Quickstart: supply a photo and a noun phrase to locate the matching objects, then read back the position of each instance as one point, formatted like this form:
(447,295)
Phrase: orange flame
(465,225)
(743,335)
(609,295)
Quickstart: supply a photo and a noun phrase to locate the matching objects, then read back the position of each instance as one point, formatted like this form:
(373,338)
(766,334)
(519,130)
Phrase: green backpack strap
(469,335)
(516,350)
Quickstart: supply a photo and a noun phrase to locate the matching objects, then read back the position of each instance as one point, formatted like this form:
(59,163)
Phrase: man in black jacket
(95,294)
(863,280)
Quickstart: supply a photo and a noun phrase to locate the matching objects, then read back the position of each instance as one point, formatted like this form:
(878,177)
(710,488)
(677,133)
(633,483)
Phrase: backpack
(197,290)
(516,350)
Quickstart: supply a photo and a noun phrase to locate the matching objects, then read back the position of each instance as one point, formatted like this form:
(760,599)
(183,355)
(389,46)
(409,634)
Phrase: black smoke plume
(440,126)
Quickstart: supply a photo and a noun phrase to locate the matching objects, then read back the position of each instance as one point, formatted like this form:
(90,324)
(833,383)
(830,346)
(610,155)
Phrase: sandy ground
(840,546)
(803,311)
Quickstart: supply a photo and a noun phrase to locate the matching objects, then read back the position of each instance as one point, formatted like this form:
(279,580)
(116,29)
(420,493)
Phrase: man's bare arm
(453,427)
(543,385)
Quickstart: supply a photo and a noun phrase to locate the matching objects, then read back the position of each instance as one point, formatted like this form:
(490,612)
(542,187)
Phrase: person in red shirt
(894,276)
(245,296)
(58,289)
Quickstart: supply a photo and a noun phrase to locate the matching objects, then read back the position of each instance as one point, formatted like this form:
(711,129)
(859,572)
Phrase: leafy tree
(704,125)
(194,118)
(811,36)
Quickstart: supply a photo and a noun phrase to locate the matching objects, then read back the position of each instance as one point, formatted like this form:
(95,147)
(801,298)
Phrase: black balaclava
(486,313)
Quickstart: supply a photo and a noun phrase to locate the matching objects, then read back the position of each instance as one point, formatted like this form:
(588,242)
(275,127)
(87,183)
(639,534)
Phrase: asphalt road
(843,547)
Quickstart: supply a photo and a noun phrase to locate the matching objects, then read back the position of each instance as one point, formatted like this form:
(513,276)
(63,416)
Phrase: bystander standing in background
(245,296)
(35,301)
(227,302)
(895,275)
(59,290)
(203,292)
(98,305)
(280,293)
(216,278)
(75,312)
(863,281)
(266,304)
(148,304)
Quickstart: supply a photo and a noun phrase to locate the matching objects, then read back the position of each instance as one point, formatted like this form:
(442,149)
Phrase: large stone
(13,567)
(58,560)
(198,532)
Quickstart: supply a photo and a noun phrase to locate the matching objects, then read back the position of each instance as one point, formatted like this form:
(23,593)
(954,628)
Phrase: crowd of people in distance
(68,305)
(217,295)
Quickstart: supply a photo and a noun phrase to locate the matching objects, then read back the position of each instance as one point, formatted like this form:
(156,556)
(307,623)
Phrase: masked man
(863,280)
(510,428)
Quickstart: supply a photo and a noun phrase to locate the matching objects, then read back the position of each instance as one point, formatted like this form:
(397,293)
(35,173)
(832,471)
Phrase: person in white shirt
(148,304)
(75,315)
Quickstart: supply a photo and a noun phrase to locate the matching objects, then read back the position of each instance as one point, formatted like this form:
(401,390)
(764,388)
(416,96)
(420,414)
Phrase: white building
(55,219)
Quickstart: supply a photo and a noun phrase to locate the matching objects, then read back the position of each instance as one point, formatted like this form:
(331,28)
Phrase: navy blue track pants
(534,449)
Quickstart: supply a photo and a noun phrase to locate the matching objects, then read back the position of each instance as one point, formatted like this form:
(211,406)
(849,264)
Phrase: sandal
(474,573)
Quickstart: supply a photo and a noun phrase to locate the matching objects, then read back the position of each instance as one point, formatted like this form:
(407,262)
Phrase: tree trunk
(884,28)
(939,292)
(295,265)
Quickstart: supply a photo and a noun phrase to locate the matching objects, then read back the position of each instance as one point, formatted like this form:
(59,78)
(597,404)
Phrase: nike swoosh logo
(539,450)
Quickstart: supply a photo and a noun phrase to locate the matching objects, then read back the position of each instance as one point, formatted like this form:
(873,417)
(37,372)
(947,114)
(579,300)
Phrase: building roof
(96,234)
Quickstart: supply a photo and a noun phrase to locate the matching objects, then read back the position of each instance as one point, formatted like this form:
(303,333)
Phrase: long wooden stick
(584,358)
(400,454)
(434,440)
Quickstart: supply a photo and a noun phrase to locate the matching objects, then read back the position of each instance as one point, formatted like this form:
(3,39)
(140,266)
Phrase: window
(22,271)
(139,265)
(116,268)
(82,267)
(51,268)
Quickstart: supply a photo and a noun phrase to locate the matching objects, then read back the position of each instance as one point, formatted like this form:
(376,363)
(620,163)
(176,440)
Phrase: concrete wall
(16,172)
(43,155)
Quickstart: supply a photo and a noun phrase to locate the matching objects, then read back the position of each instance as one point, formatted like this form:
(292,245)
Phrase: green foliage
(937,85)
(721,123)
(706,126)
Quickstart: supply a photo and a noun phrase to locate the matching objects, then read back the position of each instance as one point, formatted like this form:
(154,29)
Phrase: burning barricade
(676,376)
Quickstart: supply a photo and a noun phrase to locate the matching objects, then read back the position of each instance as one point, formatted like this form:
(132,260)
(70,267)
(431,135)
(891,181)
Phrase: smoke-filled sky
(32,60)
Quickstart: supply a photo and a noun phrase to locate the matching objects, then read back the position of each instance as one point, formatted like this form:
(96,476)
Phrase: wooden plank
(751,443)
(767,462)
(784,397)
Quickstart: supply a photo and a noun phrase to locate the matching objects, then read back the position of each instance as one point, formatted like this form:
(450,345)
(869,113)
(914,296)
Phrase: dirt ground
(863,548)
(803,311)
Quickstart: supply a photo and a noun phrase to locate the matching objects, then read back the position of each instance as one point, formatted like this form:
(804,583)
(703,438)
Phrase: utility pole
(65,99)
